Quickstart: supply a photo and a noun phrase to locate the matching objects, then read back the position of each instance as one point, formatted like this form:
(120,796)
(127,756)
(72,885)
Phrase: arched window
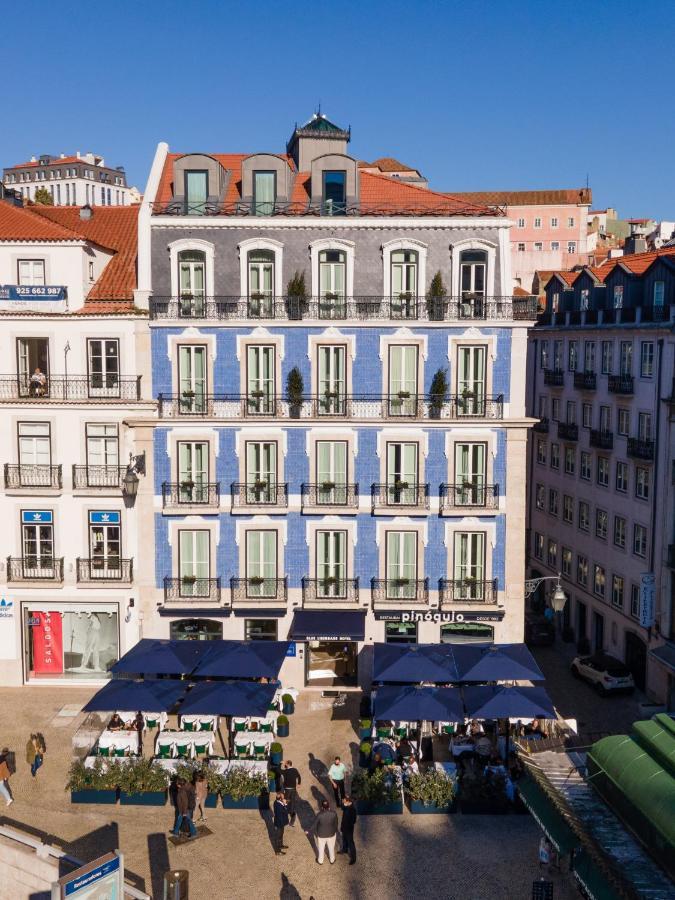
(260,284)
(196,630)
(332,284)
(472,282)
(467,633)
(192,282)
(404,268)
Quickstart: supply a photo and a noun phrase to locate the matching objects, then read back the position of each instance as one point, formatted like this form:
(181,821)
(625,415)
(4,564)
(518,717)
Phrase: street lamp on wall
(558,597)
(135,468)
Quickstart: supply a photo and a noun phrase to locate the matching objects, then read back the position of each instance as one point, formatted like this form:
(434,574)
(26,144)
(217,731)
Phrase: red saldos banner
(47,636)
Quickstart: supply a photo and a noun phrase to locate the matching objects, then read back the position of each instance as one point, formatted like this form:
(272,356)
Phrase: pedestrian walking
(201,790)
(292,779)
(280,818)
(4,776)
(337,773)
(347,829)
(184,806)
(139,725)
(324,828)
(35,752)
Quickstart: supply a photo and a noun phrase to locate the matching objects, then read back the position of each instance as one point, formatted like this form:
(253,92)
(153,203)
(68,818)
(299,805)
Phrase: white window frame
(315,250)
(252,244)
(207,249)
(393,247)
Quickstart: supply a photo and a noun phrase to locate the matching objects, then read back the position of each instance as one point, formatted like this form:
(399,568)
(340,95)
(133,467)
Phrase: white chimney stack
(63,156)
(33,159)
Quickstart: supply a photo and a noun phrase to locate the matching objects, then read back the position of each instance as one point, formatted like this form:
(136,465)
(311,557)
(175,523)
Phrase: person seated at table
(409,767)
(404,749)
(474,728)
(376,762)
(483,746)
(535,728)
(116,723)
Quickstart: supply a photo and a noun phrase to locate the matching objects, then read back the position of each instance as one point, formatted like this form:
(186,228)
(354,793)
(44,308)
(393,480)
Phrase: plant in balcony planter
(295,388)
(401,485)
(287,704)
(95,785)
(430,791)
(438,393)
(259,485)
(327,485)
(187,484)
(188,393)
(242,788)
(403,395)
(143,783)
(282,726)
(189,579)
(437,294)
(257,394)
(296,292)
(401,582)
(256,580)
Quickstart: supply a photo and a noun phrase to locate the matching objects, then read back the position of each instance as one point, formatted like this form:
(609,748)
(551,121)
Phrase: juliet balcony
(70,388)
(640,449)
(467,590)
(99,477)
(393,407)
(554,377)
(541,426)
(178,496)
(568,431)
(105,570)
(405,495)
(399,592)
(33,476)
(262,591)
(32,568)
(192,590)
(328,495)
(603,440)
(330,590)
(620,384)
(585,381)
(263,493)
(456,499)
(337,307)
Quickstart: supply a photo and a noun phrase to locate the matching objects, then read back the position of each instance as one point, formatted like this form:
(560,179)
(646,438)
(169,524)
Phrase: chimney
(63,156)
(33,159)
(78,154)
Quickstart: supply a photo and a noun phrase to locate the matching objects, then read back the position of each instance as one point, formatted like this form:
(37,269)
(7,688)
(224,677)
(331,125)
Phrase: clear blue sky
(477,95)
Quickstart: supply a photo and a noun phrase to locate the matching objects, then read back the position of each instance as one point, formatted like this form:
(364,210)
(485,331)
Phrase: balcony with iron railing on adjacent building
(399,494)
(568,431)
(262,493)
(603,440)
(70,388)
(541,426)
(467,590)
(639,448)
(620,384)
(34,568)
(554,377)
(402,406)
(331,590)
(201,494)
(105,570)
(33,477)
(408,307)
(468,495)
(400,592)
(258,590)
(191,589)
(329,494)
(98,477)
(585,381)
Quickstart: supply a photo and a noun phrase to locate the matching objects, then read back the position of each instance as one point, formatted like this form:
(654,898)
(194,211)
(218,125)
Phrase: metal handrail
(71,387)
(29,476)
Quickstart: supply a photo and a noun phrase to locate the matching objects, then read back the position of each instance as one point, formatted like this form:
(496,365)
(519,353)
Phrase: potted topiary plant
(377,794)
(436,299)
(276,753)
(288,704)
(241,788)
(97,784)
(438,393)
(282,726)
(143,783)
(295,388)
(365,728)
(296,296)
(430,792)
(365,749)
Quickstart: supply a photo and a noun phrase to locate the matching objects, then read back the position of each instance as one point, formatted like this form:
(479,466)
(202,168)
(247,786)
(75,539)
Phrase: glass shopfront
(195,630)
(332,663)
(70,641)
(467,633)
(260,629)
(400,632)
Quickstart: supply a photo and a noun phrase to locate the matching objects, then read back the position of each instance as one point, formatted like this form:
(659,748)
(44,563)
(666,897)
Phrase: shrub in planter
(378,793)
(282,726)
(430,792)
(242,788)
(481,795)
(288,704)
(365,749)
(276,753)
(438,393)
(365,728)
(296,292)
(143,783)
(436,299)
(214,779)
(95,785)
(295,388)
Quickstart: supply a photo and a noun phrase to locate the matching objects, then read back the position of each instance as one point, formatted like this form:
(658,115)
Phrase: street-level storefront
(409,626)
(332,641)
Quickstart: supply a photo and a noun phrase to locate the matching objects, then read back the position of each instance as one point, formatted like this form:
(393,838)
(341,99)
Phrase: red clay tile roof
(65,160)
(20,224)
(553,197)
(113,228)
(521,292)
(387,164)
(635,263)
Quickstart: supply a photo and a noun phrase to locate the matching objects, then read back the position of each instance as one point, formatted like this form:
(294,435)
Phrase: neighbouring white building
(83,179)
(76,367)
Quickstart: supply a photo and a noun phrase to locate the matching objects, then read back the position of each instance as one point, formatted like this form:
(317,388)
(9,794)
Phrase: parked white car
(604,672)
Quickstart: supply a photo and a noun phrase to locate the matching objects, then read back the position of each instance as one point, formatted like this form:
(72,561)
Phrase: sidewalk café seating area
(184,744)
(266,724)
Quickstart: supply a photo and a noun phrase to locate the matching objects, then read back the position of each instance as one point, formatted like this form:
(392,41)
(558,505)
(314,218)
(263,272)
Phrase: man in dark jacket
(292,779)
(280,813)
(324,829)
(347,829)
(185,805)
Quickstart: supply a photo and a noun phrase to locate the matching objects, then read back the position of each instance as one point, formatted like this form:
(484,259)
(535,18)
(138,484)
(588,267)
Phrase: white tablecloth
(458,749)
(173,738)
(250,738)
(196,720)
(127,740)
(129,717)
(270,718)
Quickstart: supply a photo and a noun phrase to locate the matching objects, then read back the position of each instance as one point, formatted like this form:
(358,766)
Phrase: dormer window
(334,195)
(196,191)
(264,193)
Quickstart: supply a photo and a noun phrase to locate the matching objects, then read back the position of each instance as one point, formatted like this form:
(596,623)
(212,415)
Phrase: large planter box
(211,801)
(143,798)
(91,796)
(244,803)
(477,808)
(416,807)
(283,730)
(364,808)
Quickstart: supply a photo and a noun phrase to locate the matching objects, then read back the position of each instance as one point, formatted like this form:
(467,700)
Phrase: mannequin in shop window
(92,644)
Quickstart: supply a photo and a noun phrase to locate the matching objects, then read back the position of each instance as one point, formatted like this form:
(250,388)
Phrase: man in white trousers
(324,828)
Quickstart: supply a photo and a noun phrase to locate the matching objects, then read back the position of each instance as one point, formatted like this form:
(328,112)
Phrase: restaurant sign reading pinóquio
(442,618)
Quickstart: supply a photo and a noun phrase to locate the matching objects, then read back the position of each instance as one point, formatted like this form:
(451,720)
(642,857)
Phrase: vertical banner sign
(647,599)
(47,637)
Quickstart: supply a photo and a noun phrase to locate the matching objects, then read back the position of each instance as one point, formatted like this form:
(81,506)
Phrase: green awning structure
(592,879)
(547,817)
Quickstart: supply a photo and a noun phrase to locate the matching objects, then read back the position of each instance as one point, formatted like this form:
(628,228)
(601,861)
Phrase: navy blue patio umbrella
(414,663)
(242,659)
(409,703)
(161,657)
(499,701)
(228,698)
(496,662)
(149,695)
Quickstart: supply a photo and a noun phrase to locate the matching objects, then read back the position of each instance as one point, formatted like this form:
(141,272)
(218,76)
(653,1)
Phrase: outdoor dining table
(174,739)
(130,717)
(119,740)
(239,724)
(249,738)
(198,720)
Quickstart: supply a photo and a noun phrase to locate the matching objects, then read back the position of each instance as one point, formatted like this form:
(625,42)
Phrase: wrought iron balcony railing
(399,406)
(330,590)
(468,590)
(189,587)
(640,449)
(98,476)
(568,431)
(328,494)
(400,590)
(603,440)
(469,495)
(245,590)
(190,493)
(259,493)
(554,377)
(32,477)
(541,426)
(109,568)
(335,306)
(33,568)
(70,388)
(401,493)
(586,381)
(620,384)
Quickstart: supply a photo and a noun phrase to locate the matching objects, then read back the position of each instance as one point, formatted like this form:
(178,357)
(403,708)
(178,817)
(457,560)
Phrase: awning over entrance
(329,625)
(547,817)
(665,655)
